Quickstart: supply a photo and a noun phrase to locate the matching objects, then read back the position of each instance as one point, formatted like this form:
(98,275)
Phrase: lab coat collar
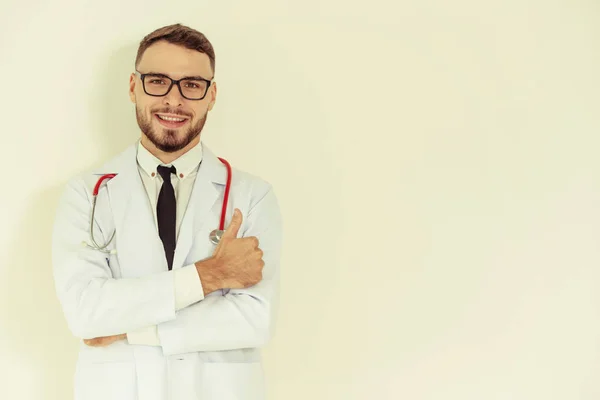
(184,165)
(125,164)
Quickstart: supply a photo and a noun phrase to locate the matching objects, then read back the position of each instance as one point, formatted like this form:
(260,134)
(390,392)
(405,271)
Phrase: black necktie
(166,209)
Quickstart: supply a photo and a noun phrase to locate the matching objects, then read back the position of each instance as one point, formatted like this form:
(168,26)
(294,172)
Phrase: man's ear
(213,95)
(132,88)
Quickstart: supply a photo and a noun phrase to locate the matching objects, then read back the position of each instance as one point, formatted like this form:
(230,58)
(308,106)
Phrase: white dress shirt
(188,287)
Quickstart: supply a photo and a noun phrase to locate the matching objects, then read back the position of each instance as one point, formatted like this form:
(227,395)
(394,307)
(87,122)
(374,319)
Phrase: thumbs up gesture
(239,260)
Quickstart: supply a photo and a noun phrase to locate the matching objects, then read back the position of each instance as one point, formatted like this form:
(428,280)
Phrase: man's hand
(236,263)
(104,340)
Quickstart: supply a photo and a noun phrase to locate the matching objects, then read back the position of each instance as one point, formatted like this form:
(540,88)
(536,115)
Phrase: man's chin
(170,147)
(168,141)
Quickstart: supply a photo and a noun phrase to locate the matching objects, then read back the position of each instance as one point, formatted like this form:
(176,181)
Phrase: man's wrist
(210,275)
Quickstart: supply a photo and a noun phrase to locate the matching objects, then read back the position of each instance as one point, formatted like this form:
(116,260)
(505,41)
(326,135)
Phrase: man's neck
(164,157)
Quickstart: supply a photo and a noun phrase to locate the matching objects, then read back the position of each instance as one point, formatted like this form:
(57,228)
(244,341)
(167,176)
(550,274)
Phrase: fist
(239,260)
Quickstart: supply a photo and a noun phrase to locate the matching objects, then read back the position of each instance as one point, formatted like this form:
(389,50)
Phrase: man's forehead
(175,61)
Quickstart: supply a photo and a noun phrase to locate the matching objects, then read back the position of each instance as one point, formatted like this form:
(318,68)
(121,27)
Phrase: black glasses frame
(173,82)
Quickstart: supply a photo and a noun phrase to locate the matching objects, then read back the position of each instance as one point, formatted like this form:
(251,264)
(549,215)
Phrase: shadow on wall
(30,314)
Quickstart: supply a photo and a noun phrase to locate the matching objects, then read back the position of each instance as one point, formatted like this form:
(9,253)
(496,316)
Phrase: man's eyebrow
(196,78)
(155,73)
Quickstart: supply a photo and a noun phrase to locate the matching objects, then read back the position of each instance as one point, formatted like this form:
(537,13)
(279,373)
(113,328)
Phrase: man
(163,312)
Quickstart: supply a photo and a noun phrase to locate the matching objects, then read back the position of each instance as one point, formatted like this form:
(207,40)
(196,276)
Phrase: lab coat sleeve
(94,303)
(236,318)
(188,290)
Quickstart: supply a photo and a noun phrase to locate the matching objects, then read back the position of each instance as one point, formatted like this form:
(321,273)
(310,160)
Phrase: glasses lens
(159,85)
(193,89)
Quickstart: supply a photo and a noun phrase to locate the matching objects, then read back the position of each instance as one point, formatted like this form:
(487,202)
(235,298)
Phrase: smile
(171,122)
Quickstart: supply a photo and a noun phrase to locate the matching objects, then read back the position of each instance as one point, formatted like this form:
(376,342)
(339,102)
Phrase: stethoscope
(214,236)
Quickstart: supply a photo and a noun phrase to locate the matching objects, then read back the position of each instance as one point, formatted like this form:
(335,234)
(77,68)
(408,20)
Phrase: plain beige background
(436,163)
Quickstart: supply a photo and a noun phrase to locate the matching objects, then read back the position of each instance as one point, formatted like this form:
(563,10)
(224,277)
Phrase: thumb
(234,226)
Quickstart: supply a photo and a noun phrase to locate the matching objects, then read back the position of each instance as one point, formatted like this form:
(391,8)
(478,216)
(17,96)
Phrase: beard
(168,140)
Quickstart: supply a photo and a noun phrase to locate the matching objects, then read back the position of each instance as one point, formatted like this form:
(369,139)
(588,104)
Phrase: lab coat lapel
(211,175)
(138,243)
(119,187)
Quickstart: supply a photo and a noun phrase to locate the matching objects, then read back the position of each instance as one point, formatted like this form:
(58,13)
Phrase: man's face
(176,62)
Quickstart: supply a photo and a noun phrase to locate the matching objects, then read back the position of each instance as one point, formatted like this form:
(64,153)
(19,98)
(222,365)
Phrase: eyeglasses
(158,85)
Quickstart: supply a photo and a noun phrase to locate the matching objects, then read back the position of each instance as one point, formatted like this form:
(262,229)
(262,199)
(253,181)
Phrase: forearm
(100,306)
(189,289)
(219,322)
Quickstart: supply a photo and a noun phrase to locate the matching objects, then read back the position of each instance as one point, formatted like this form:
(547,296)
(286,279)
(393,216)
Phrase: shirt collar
(185,164)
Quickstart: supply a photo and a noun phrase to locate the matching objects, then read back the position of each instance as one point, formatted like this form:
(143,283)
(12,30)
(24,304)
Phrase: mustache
(171,111)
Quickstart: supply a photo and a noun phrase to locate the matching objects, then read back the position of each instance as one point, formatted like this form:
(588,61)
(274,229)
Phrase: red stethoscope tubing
(226,196)
(110,176)
(102,179)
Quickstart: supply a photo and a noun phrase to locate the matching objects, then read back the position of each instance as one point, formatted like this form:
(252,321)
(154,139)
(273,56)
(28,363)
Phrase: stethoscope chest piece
(215,236)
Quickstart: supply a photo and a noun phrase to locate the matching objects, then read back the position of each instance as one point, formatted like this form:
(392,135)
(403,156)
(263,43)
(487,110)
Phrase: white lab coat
(209,350)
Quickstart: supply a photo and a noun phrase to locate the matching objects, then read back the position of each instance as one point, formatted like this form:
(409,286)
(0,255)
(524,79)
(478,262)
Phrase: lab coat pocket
(106,380)
(232,381)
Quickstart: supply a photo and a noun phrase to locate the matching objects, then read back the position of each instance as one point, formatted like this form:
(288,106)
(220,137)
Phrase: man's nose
(174,97)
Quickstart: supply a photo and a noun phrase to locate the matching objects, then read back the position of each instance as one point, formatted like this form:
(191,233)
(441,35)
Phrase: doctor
(164,313)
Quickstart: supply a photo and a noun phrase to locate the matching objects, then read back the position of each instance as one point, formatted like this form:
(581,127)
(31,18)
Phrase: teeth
(171,119)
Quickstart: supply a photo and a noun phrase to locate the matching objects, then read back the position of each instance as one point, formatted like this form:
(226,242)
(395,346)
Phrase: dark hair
(180,35)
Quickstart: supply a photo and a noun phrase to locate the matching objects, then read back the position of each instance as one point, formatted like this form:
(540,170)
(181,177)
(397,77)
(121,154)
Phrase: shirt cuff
(188,287)
(146,337)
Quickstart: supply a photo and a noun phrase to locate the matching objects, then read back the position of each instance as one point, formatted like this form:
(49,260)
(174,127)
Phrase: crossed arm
(103,308)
